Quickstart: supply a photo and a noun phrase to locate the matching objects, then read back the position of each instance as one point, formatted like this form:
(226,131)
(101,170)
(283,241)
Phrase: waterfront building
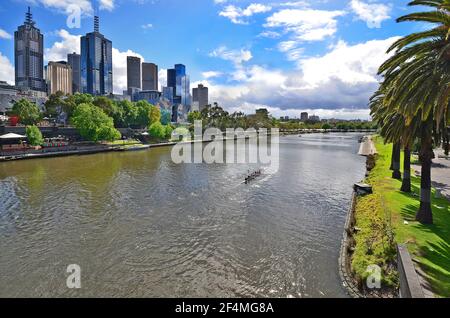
(96,62)
(29,56)
(179,81)
(59,77)
(149,77)
(304,116)
(133,72)
(314,119)
(74,60)
(200,97)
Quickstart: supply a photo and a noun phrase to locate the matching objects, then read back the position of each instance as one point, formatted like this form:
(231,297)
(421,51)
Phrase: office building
(153,96)
(59,77)
(74,60)
(29,56)
(304,116)
(96,62)
(133,72)
(149,77)
(172,80)
(200,96)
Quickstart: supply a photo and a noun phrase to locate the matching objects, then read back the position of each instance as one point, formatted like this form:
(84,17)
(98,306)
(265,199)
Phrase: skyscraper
(200,96)
(172,79)
(29,56)
(133,72)
(96,63)
(59,77)
(149,77)
(74,60)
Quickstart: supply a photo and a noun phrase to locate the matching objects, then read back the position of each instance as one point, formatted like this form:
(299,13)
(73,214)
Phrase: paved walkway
(440,173)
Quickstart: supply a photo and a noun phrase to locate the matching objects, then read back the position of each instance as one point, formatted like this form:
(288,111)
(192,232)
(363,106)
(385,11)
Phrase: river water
(139,225)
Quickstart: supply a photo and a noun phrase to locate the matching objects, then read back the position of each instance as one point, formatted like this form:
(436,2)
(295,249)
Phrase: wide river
(139,225)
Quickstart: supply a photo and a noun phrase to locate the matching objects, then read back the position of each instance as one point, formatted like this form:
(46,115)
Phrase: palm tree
(416,81)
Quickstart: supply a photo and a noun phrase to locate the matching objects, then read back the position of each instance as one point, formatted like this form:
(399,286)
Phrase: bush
(157,130)
(34,136)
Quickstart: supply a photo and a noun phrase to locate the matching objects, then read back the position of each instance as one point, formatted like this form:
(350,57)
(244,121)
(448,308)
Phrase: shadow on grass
(438,271)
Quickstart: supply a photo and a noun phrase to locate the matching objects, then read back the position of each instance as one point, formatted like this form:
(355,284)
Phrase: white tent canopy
(12,136)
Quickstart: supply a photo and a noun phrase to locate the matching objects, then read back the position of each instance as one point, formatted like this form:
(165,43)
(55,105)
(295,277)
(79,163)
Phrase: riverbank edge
(348,279)
(344,261)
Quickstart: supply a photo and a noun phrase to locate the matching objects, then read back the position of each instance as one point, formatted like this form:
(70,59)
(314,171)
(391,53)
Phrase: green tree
(155,115)
(193,116)
(169,131)
(416,81)
(28,112)
(326,126)
(55,104)
(157,130)
(143,114)
(106,104)
(93,124)
(34,136)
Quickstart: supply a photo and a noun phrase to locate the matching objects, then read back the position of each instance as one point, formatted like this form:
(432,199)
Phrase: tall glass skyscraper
(74,61)
(29,56)
(96,63)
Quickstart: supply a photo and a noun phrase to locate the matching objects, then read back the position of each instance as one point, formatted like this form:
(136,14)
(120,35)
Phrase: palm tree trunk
(396,174)
(406,183)
(446,142)
(425,213)
(392,157)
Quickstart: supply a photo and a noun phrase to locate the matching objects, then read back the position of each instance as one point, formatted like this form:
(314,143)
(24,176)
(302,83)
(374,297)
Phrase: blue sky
(287,55)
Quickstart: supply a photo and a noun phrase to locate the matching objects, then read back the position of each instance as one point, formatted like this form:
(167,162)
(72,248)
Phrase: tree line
(411,104)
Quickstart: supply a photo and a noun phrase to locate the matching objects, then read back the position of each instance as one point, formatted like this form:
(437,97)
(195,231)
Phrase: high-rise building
(29,56)
(184,90)
(172,80)
(149,77)
(96,63)
(74,60)
(133,72)
(304,116)
(59,77)
(200,96)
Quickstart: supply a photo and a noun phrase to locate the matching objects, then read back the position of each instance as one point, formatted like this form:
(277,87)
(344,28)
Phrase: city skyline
(269,68)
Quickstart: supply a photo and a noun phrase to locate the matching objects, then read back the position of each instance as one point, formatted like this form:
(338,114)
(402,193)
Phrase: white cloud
(305,25)
(337,84)
(269,34)
(120,69)
(5,35)
(147,26)
(58,51)
(211,74)
(349,64)
(162,78)
(66,6)
(6,69)
(238,15)
(373,14)
(107,5)
(235,56)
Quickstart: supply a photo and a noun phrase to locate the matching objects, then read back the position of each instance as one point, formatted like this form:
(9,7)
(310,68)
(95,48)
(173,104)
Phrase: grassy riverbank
(387,217)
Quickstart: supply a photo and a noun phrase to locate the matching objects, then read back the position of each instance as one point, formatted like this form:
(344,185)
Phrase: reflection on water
(142,226)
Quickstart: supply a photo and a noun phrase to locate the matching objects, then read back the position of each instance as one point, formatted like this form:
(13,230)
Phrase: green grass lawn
(388,210)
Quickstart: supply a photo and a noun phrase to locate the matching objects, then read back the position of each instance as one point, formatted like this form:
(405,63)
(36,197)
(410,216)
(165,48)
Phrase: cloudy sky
(289,56)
